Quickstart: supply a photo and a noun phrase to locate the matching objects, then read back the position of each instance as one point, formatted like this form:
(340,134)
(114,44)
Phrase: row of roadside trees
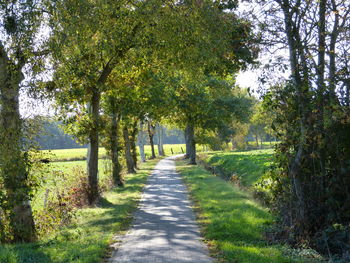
(112,67)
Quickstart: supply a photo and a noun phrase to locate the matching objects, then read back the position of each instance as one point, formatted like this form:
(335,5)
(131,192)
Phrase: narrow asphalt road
(164,229)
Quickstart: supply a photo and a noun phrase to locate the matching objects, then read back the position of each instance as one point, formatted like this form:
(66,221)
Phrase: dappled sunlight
(164,228)
(88,237)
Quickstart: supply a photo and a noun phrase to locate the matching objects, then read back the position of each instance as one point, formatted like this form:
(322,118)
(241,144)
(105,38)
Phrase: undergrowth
(87,238)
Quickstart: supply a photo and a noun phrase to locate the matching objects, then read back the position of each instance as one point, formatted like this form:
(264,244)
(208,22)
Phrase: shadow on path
(164,228)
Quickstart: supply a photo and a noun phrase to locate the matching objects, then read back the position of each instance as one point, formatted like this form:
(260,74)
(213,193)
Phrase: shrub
(61,203)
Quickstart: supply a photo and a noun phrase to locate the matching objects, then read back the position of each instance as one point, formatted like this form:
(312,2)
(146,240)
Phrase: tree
(160,137)
(207,105)
(260,123)
(90,39)
(112,136)
(312,122)
(18,47)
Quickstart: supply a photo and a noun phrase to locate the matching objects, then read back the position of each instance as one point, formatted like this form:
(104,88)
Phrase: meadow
(81,153)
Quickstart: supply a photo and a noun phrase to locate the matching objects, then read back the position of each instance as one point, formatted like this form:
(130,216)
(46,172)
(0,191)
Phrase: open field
(87,240)
(63,173)
(265,145)
(80,153)
(231,221)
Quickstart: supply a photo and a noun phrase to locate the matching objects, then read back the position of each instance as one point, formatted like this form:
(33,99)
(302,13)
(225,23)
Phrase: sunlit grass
(88,239)
(232,223)
(61,176)
(80,153)
(249,165)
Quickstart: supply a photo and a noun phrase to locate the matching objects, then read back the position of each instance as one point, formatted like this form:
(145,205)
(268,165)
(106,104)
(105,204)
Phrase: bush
(61,204)
(335,238)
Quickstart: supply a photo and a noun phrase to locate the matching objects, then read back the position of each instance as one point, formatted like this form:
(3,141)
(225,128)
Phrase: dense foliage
(310,176)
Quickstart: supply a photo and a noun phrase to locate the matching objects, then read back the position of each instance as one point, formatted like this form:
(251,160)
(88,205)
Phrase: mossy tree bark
(127,151)
(151,141)
(141,142)
(116,167)
(190,143)
(14,160)
(133,134)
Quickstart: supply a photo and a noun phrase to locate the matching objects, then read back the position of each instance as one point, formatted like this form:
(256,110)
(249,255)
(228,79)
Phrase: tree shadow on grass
(87,240)
(23,253)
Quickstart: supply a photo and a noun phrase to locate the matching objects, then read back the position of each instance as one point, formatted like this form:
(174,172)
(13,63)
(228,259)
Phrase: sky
(248,79)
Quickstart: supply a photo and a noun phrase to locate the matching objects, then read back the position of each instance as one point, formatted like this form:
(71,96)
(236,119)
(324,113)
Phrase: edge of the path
(119,237)
(230,221)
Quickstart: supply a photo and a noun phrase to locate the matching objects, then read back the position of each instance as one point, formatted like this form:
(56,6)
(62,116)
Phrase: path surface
(164,228)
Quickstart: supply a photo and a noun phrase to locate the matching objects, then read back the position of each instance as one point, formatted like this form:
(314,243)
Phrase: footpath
(164,228)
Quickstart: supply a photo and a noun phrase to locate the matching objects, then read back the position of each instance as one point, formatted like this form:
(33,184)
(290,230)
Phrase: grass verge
(88,239)
(249,166)
(231,222)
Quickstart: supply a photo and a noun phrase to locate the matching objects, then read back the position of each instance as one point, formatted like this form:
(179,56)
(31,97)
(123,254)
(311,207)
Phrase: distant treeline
(53,136)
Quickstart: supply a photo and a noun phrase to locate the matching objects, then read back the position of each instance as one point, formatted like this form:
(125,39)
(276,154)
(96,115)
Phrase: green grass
(52,182)
(232,223)
(80,153)
(71,154)
(248,165)
(265,145)
(87,240)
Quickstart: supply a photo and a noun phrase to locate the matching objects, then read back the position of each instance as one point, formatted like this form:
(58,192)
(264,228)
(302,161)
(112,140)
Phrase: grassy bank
(232,223)
(88,238)
(249,166)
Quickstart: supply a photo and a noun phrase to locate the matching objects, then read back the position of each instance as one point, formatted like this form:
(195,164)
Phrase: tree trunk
(187,141)
(347,100)
(160,139)
(141,142)
(321,87)
(127,151)
(92,157)
(151,135)
(116,167)
(191,143)
(300,81)
(134,132)
(233,144)
(14,168)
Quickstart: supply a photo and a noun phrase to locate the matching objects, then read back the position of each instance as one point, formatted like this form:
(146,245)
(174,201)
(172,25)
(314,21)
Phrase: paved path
(164,228)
